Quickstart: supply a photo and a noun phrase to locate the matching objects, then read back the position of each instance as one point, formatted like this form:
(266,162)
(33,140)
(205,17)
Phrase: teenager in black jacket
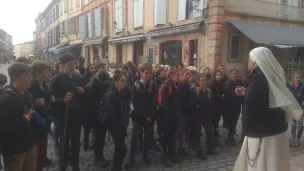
(117,118)
(42,101)
(144,96)
(170,112)
(68,91)
(17,142)
(202,107)
(95,92)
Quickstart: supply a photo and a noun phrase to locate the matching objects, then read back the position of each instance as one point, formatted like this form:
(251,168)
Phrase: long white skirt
(274,154)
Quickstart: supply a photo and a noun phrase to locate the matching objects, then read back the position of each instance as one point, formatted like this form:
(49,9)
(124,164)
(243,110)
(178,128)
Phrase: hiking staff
(67,107)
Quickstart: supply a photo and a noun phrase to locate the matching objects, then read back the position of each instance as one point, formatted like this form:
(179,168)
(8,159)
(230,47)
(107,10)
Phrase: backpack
(159,96)
(101,115)
(137,85)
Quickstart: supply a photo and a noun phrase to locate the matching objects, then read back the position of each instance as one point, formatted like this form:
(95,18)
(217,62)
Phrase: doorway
(171,52)
(193,52)
(118,54)
(138,53)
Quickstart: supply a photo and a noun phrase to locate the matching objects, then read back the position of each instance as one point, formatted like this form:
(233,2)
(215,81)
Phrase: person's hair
(296,73)
(125,67)
(171,72)
(103,75)
(17,70)
(200,75)
(98,66)
(96,56)
(117,75)
(194,73)
(80,60)
(221,65)
(129,64)
(39,66)
(145,67)
(234,69)
(124,72)
(159,71)
(3,79)
(66,57)
(185,70)
(180,64)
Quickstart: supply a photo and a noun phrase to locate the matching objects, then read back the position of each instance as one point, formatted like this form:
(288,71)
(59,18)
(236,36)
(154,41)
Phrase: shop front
(128,48)
(179,44)
(96,47)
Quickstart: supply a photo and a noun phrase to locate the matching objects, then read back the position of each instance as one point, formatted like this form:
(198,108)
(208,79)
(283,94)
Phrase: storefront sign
(127,39)
(174,30)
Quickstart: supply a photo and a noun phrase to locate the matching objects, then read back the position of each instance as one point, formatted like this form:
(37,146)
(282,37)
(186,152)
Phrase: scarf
(279,94)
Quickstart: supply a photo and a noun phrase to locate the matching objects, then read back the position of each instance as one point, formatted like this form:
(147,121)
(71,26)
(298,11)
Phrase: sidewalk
(297,163)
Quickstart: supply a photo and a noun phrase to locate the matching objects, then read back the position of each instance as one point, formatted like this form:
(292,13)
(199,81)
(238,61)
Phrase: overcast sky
(17,17)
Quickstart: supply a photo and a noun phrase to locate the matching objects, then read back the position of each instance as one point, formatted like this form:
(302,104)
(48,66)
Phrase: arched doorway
(171,52)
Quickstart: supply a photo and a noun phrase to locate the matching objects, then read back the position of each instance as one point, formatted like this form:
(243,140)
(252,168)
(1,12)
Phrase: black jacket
(45,111)
(143,98)
(258,119)
(59,86)
(185,94)
(15,130)
(116,110)
(201,105)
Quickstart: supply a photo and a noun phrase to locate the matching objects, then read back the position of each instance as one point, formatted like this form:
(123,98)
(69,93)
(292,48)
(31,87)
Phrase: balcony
(265,8)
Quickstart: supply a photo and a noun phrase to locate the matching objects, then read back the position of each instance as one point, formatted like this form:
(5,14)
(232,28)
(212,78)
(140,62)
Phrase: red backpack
(159,97)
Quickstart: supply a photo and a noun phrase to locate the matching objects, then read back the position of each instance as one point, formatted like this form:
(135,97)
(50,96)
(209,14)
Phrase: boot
(75,168)
(47,162)
(101,162)
(167,162)
(116,168)
(175,159)
(130,164)
(183,152)
(211,151)
(200,155)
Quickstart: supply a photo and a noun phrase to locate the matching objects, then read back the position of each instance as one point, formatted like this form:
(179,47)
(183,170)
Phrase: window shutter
(106,25)
(65,6)
(93,23)
(90,25)
(140,13)
(97,22)
(136,13)
(66,28)
(102,17)
(81,26)
(182,10)
(160,12)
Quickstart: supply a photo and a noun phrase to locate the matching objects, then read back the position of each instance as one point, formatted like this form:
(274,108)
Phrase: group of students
(179,101)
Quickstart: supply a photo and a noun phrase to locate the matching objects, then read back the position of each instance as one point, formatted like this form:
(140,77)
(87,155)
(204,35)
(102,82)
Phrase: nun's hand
(240,91)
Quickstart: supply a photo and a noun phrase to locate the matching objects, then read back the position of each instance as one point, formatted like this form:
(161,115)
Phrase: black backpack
(101,115)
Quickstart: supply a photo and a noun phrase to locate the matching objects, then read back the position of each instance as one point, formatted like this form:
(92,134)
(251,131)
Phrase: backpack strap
(197,91)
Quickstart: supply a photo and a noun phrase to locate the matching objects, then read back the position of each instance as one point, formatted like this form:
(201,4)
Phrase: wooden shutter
(90,25)
(160,12)
(97,22)
(103,19)
(106,23)
(81,26)
(182,10)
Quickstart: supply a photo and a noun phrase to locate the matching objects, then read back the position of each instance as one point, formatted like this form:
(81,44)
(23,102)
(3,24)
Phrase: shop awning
(95,41)
(53,49)
(271,34)
(127,39)
(67,46)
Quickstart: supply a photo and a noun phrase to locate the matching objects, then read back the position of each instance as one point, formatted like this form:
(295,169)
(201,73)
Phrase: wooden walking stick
(67,106)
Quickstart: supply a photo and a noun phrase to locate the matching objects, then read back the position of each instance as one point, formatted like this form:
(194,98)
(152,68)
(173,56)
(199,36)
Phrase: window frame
(118,16)
(239,57)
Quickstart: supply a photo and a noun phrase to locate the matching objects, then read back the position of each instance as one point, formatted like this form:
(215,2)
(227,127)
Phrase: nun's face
(251,64)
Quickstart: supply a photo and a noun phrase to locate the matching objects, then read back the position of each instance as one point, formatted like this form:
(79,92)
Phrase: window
(295,3)
(61,8)
(235,46)
(138,13)
(77,3)
(118,15)
(65,6)
(71,4)
(190,9)
(160,12)
(85,2)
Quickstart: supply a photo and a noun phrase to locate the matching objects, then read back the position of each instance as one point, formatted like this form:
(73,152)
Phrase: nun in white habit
(268,108)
